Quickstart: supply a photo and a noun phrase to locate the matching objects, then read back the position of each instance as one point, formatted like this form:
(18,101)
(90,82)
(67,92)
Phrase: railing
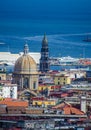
(43,115)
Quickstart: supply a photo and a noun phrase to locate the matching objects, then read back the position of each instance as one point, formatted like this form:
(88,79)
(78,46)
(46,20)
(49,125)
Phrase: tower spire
(26,49)
(44,41)
(44,60)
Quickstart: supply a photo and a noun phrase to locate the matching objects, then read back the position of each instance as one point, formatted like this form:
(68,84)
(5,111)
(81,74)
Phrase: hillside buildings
(32,94)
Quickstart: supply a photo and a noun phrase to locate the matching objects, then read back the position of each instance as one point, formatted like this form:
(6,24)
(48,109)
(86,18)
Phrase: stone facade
(25,72)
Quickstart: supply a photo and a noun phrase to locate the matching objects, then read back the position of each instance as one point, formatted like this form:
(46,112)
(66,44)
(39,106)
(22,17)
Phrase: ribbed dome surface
(25,65)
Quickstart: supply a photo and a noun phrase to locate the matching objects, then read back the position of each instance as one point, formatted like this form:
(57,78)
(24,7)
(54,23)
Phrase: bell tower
(44,60)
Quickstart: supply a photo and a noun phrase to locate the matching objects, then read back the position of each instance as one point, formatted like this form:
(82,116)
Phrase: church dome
(25,64)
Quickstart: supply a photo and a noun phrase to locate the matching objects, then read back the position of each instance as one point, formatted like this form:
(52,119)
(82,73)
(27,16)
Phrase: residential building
(43,102)
(8,91)
(61,80)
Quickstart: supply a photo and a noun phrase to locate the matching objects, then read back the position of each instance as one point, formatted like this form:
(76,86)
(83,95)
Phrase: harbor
(9,59)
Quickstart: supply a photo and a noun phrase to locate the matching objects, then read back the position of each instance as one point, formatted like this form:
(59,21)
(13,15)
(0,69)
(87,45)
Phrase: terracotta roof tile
(68,109)
(14,103)
(76,111)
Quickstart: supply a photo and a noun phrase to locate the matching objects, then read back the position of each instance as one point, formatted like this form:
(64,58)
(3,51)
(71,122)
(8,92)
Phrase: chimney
(83,103)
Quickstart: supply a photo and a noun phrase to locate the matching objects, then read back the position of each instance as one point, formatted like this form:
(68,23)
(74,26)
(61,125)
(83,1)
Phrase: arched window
(26,83)
(34,85)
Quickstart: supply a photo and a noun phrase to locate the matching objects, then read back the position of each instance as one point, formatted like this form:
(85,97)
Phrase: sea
(65,34)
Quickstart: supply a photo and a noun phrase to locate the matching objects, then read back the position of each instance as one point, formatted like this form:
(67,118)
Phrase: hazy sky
(51,6)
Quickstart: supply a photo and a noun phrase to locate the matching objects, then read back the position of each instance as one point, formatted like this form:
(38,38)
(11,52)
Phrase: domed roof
(25,64)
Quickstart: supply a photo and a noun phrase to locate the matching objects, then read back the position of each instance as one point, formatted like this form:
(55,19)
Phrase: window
(58,78)
(58,83)
(64,83)
(34,85)
(26,82)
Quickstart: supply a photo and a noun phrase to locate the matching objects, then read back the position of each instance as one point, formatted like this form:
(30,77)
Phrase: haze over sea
(66,23)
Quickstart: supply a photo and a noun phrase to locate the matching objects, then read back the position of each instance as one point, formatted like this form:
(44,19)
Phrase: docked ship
(87,39)
(68,60)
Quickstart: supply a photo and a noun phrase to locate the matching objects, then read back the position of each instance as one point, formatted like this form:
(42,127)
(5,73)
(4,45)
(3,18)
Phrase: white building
(8,91)
(9,58)
(76,74)
(83,104)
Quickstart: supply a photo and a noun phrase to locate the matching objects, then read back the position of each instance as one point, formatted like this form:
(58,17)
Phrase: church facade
(25,73)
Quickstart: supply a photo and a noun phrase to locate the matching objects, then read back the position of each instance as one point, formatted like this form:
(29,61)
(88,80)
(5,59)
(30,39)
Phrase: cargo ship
(87,39)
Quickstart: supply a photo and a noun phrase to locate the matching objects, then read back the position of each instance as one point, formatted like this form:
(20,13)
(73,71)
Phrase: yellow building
(44,102)
(61,80)
(42,87)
